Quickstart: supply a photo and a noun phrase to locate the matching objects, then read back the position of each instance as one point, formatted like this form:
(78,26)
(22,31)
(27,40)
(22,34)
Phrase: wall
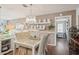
(77,17)
(53,15)
(20,20)
(78,20)
(16,21)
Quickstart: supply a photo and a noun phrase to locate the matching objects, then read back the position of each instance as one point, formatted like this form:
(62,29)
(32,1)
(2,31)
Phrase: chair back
(42,45)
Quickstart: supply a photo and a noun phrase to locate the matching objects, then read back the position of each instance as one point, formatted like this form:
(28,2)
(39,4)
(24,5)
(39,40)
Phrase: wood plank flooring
(60,49)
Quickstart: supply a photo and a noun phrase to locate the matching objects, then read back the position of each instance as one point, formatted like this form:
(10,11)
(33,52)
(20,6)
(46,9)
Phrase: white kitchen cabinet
(6,44)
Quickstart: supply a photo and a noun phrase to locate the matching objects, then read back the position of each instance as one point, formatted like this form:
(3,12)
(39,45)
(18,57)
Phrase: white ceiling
(14,11)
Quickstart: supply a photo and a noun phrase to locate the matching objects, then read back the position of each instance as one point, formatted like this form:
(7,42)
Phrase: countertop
(4,36)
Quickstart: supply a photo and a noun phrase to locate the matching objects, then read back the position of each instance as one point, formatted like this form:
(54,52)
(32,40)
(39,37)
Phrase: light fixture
(30,18)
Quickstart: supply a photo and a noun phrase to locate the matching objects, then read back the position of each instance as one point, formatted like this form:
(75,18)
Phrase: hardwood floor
(60,49)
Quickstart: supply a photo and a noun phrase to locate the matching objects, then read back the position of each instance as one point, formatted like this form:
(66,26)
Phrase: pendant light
(31,18)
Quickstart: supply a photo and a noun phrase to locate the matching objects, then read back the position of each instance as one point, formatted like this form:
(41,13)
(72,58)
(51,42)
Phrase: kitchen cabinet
(6,44)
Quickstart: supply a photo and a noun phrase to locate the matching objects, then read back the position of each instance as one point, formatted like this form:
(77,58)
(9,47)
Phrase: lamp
(31,18)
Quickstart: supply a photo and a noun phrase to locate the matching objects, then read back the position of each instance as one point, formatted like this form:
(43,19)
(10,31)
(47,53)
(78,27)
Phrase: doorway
(61,29)
(62,25)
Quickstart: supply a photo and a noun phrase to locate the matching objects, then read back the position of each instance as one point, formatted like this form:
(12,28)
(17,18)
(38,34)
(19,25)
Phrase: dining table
(32,43)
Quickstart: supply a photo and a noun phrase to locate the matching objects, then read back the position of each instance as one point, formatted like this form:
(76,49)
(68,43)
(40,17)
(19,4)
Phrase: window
(60,27)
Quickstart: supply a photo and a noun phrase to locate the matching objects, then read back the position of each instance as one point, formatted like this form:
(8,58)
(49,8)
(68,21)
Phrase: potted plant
(51,27)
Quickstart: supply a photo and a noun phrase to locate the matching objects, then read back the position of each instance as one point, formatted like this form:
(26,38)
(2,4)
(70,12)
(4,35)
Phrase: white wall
(77,16)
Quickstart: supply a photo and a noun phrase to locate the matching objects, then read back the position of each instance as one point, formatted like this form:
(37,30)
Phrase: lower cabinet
(5,46)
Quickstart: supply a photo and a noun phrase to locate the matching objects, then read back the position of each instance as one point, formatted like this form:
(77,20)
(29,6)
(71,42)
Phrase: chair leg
(14,49)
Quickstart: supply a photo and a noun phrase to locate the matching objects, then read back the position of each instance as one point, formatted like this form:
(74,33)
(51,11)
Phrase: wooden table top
(28,42)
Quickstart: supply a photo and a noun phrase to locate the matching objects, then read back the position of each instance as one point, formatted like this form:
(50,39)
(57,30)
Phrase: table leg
(14,48)
(33,50)
(0,47)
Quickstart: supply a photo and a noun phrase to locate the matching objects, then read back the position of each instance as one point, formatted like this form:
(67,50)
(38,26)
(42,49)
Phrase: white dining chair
(43,44)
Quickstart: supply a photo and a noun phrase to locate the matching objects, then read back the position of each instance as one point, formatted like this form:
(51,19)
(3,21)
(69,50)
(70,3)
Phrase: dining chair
(42,46)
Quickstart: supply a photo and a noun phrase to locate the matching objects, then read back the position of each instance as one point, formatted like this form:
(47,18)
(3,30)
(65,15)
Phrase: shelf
(5,43)
(39,23)
(6,52)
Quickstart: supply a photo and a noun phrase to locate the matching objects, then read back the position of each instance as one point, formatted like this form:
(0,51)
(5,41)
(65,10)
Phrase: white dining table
(29,43)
